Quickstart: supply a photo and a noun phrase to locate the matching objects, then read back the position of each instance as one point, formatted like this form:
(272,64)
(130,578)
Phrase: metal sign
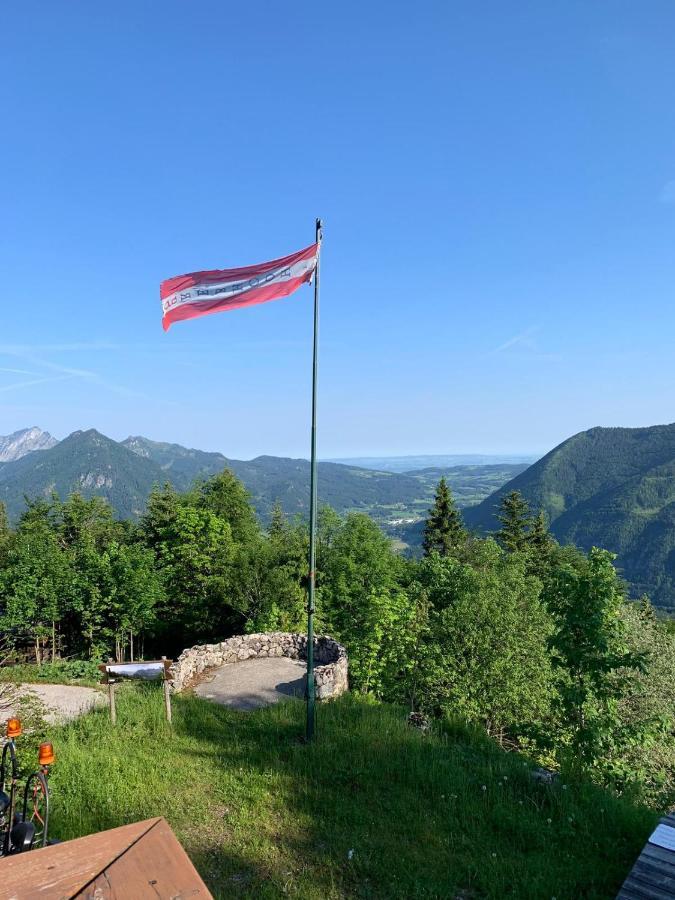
(145,670)
(151,670)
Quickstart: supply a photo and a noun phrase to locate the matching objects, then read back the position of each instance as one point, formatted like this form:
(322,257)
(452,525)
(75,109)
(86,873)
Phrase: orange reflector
(13,728)
(46,755)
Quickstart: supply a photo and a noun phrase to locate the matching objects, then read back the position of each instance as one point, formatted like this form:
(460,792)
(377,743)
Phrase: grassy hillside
(613,488)
(372,809)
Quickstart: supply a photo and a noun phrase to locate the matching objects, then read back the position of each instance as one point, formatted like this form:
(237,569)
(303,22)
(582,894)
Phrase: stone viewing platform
(330,659)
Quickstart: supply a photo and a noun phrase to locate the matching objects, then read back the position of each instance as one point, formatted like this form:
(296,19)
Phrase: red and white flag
(202,293)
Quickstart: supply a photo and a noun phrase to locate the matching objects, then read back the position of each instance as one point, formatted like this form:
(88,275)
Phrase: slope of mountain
(272,478)
(14,446)
(85,461)
(342,487)
(180,464)
(609,487)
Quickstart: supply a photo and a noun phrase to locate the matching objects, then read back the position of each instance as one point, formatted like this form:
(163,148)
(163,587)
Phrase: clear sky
(497,182)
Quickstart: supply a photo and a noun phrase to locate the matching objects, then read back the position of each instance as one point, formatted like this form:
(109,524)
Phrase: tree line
(534,642)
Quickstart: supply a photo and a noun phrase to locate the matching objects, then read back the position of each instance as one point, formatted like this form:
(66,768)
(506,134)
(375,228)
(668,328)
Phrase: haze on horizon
(498,190)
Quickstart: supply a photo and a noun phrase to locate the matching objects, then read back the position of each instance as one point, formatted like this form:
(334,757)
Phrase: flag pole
(311,687)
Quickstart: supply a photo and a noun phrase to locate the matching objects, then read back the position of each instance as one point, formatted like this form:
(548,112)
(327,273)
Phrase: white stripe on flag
(229,289)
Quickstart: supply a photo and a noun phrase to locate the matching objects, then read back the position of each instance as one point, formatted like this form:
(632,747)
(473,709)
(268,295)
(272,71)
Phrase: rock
(419,720)
(544,776)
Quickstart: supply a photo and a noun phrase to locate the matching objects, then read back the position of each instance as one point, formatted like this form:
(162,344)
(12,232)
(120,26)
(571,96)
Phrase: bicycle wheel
(8,767)
(8,777)
(36,807)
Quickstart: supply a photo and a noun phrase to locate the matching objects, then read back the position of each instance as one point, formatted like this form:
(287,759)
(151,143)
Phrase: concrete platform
(60,702)
(254,683)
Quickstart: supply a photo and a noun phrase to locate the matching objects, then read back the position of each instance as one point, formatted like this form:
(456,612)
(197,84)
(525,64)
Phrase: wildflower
(494,856)
(549,821)
(350,854)
(483,788)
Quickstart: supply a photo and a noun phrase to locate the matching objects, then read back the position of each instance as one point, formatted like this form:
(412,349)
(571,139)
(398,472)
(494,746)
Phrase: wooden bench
(128,863)
(653,875)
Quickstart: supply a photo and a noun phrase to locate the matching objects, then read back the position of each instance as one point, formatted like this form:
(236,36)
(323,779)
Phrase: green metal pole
(311,688)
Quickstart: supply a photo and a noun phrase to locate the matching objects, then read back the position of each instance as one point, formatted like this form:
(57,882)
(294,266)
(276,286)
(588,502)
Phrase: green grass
(372,809)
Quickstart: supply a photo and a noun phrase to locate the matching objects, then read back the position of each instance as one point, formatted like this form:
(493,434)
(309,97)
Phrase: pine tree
(516,520)
(444,531)
(277,521)
(540,543)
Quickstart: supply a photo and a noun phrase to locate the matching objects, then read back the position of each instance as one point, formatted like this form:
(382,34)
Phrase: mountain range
(125,472)
(611,488)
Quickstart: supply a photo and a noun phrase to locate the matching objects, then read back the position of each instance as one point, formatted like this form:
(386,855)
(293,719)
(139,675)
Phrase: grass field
(372,809)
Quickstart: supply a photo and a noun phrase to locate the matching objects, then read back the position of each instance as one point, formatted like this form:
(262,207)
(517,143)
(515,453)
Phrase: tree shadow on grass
(372,809)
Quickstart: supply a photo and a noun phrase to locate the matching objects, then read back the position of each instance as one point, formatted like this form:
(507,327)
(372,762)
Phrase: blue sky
(497,182)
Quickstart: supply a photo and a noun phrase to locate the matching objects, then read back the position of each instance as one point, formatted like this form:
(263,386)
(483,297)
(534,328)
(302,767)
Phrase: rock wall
(330,658)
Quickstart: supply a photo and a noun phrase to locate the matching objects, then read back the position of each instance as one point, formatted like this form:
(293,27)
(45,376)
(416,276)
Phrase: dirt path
(254,683)
(62,702)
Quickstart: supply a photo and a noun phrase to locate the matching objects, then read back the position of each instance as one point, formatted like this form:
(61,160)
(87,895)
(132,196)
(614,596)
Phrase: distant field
(407,464)
(470,484)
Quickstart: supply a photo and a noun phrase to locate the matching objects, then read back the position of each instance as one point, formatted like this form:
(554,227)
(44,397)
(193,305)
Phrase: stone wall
(330,658)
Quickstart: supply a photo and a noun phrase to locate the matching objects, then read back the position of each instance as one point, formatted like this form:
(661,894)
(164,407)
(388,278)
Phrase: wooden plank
(643,892)
(156,866)
(644,882)
(631,892)
(63,869)
(142,860)
(653,875)
(659,856)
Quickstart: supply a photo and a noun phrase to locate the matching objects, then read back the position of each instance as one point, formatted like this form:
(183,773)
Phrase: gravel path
(62,702)
(254,683)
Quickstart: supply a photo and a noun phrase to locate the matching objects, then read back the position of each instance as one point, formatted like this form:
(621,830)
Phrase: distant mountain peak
(20,443)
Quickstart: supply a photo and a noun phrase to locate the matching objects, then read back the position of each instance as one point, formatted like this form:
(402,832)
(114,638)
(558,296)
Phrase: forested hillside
(609,487)
(85,461)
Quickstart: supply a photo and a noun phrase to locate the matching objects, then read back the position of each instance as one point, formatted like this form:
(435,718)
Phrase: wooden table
(134,862)
(653,875)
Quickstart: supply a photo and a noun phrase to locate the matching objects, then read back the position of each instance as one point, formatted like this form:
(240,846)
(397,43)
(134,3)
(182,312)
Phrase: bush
(58,672)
